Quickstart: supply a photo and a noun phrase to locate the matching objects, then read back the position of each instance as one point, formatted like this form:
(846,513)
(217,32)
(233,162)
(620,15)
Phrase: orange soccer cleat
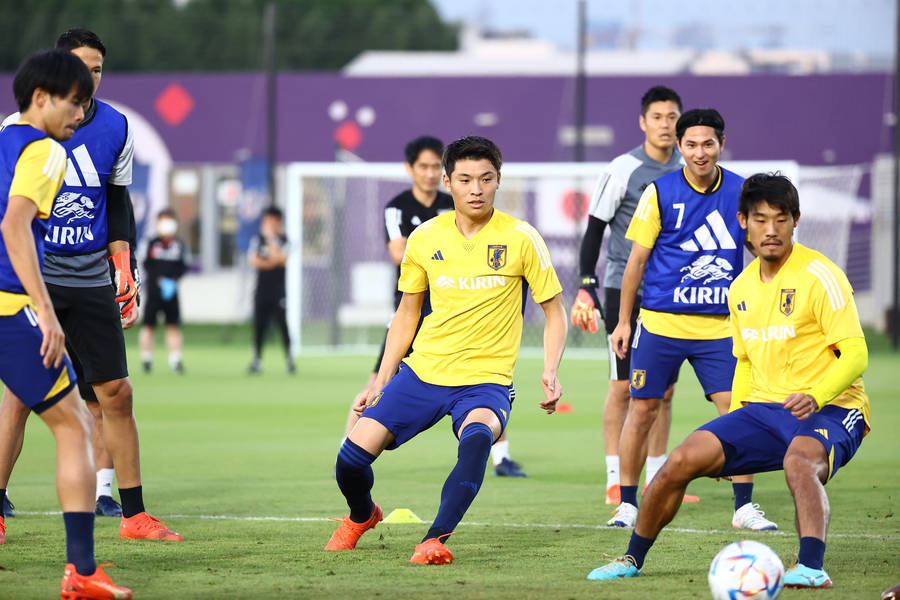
(614,494)
(349,532)
(432,552)
(90,587)
(144,527)
(2,530)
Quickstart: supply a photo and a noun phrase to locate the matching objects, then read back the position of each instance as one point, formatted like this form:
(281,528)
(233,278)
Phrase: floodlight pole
(580,87)
(895,274)
(271,95)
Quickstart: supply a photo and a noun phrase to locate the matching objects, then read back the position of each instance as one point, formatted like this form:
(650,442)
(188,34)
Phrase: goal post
(339,275)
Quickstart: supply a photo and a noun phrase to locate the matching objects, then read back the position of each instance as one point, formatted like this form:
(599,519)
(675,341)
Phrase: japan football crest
(638,378)
(496,257)
(787,301)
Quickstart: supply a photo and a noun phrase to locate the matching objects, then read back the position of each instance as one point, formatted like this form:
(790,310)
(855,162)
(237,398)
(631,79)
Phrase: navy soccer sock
(2,498)
(464,480)
(355,479)
(812,552)
(629,494)
(743,494)
(80,541)
(132,501)
(638,547)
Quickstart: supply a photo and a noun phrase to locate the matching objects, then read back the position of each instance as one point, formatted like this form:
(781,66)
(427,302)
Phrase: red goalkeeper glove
(586,308)
(126,289)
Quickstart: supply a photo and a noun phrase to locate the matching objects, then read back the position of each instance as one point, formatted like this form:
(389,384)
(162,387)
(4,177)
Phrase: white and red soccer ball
(746,570)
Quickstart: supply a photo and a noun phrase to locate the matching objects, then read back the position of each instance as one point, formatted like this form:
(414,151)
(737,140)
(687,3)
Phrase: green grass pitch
(242,467)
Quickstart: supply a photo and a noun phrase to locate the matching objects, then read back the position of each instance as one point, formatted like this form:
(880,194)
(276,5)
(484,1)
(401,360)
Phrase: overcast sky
(834,25)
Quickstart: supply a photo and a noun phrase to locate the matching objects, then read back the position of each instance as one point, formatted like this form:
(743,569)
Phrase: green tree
(217,35)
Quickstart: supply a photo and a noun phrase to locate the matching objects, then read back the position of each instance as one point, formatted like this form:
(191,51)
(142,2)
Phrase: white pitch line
(864,536)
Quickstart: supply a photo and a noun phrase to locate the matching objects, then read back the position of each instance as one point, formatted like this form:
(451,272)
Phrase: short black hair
(80,38)
(54,71)
(659,93)
(708,117)
(273,211)
(425,142)
(773,188)
(471,147)
(166,212)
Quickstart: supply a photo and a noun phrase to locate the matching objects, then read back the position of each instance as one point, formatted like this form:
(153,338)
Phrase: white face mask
(166,227)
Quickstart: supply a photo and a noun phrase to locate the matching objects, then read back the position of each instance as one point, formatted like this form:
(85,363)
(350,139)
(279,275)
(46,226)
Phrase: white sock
(654,464)
(612,471)
(174,359)
(104,482)
(147,355)
(499,451)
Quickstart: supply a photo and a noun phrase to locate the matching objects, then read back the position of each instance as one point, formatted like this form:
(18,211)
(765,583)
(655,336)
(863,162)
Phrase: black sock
(638,547)
(629,494)
(464,480)
(132,501)
(743,494)
(80,541)
(2,498)
(355,478)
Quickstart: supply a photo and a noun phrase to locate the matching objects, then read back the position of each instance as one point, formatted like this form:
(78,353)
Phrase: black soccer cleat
(291,367)
(148,366)
(254,368)
(8,508)
(107,507)
(509,468)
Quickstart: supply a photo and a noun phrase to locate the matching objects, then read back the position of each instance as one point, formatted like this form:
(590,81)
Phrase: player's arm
(587,307)
(850,365)
(555,329)
(399,337)
(396,247)
(19,241)
(119,215)
(393,233)
(740,384)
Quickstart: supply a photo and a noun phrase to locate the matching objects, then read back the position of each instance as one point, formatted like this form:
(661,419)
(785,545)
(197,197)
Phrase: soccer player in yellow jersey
(476,262)
(688,247)
(798,401)
(50,90)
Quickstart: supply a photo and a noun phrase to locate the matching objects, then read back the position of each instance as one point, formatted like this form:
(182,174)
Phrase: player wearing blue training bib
(798,400)
(688,248)
(50,90)
(476,262)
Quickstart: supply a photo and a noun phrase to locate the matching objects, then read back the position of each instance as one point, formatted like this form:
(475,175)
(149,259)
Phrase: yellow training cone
(402,515)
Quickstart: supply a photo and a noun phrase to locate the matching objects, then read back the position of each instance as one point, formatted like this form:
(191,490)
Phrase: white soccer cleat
(750,517)
(625,516)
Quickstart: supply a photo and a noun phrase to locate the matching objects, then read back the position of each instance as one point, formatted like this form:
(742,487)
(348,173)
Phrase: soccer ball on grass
(744,571)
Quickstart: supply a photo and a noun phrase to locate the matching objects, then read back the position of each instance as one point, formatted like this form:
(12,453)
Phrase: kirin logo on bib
(496,257)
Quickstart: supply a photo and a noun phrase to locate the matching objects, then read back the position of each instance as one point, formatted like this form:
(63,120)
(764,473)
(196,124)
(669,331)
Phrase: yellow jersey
(787,328)
(644,230)
(477,289)
(37,175)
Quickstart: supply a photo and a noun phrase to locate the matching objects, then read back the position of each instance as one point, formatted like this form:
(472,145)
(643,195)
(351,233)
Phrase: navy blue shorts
(756,437)
(22,368)
(655,360)
(408,406)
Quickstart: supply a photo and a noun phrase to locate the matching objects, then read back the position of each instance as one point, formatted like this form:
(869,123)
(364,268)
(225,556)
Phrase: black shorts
(618,368)
(93,327)
(155,305)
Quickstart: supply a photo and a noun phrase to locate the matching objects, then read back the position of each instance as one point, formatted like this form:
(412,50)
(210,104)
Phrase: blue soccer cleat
(107,507)
(801,576)
(509,468)
(617,569)
(8,508)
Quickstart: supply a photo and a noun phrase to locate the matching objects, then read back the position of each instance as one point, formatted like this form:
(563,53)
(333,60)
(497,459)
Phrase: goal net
(340,279)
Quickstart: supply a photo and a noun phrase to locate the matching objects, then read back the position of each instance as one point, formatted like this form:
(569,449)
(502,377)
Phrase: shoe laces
(754,516)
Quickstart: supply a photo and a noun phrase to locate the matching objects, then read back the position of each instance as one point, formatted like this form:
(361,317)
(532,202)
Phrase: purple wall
(767,116)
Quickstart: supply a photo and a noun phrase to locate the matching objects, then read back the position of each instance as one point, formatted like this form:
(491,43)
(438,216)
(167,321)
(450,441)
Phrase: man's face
(658,123)
(61,114)
(270,225)
(473,184)
(701,149)
(769,230)
(92,58)
(426,171)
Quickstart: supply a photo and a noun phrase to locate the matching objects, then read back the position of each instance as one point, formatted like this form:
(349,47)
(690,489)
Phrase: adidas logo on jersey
(708,239)
(472,283)
(437,256)
(768,334)
(742,306)
(822,432)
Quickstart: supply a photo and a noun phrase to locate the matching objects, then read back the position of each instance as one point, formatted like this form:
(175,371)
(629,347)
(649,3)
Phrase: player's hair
(166,212)
(773,188)
(80,38)
(273,211)
(425,142)
(472,147)
(708,117)
(54,71)
(659,93)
